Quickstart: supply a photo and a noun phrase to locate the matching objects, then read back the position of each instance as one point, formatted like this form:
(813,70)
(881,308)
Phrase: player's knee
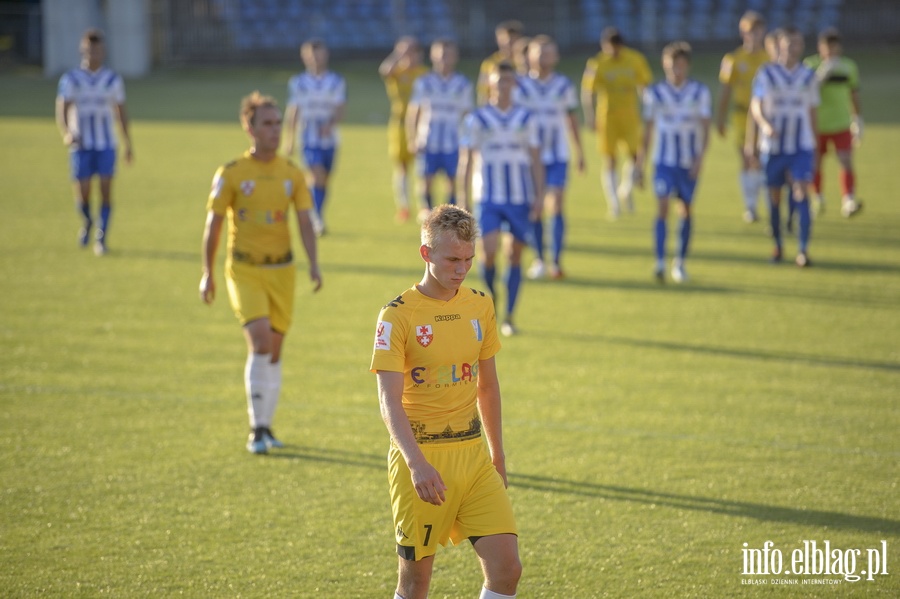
(503,577)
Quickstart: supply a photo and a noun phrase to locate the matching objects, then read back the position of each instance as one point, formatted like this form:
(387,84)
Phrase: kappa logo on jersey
(288,187)
(476,324)
(383,335)
(247,187)
(424,335)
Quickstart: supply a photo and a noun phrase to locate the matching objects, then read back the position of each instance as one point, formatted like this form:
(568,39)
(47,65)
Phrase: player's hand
(856,130)
(582,165)
(428,483)
(129,154)
(316,277)
(695,169)
(768,130)
(500,464)
(207,289)
(71,139)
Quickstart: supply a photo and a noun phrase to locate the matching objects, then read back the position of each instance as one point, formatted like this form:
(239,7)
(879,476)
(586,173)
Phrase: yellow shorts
(477,504)
(262,292)
(615,132)
(739,126)
(397,149)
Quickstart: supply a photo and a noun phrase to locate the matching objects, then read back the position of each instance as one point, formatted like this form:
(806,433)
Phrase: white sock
(610,189)
(397,596)
(486,594)
(273,390)
(749,189)
(627,183)
(401,187)
(256,378)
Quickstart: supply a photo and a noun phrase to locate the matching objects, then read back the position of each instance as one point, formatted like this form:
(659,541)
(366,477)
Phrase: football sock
(401,186)
(659,234)
(427,198)
(486,594)
(273,391)
(848,182)
(775,222)
(318,194)
(538,232)
(256,377)
(451,199)
(805,224)
(610,189)
(792,208)
(627,182)
(84,208)
(513,282)
(105,212)
(489,274)
(684,236)
(559,232)
(397,595)
(749,189)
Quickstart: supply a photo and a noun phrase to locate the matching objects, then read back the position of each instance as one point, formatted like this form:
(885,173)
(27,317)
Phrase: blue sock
(489,275)
(775,222)
(451,199)
(559,232)
(318,194)
(792,207)
(538,231)
(428,202)
(85,210)
(805,224)
(660,236)
(684,236)
(105,212)
(513,281)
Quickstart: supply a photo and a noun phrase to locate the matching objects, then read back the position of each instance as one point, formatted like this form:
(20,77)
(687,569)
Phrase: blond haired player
(736,77)
(438,389)
(255,193)
(506,34)
(614,79)
(399,71)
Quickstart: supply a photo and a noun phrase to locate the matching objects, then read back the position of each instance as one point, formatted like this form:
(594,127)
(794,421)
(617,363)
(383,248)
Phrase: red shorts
(842,141)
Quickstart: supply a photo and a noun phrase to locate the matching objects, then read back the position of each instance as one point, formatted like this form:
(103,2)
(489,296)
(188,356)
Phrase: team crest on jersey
(383,335)
(424,335)
(247,187)
(288,187)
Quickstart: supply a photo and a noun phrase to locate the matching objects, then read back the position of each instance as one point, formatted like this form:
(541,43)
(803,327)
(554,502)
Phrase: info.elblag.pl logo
(827,564)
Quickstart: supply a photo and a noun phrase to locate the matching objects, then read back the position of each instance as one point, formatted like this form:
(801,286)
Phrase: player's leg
(537,270)
(663,185)
(257,370)
(822,147)
(751,178)
(773,167)
(400,157)
(489,223)
(414,578)
(517,217)
(280,290)
(80,164)
(428,166)
(631,140)
(686,188)
(801,172)
(844,150)
(556,197)
(499,557)
(105,168)
(450,162)
(607,140)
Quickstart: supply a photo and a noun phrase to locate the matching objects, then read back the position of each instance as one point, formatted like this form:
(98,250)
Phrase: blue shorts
(87,163)
(555,174)
(508,217)
(777,167)
(430,163)
(323,157)
(674,181)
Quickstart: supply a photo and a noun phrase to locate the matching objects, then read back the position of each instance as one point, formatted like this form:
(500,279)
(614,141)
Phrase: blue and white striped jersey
(678,116)
(501,141)
(787,98)
(550,101)
(442,105)
(94,96)
(317,99)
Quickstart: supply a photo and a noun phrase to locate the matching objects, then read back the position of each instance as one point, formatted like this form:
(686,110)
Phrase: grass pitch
(650,431)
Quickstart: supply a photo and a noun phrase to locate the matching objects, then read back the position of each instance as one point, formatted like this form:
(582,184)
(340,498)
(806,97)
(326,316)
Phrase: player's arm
(751,141)
(538,177)
(62,121)
(641,160)
(308,238)
(704,144)
(413,113)
(211,233)
(756,111)
(291,119)
(124,125)
(491,414)
(587,94)
(389,66)
(572,120)
(725,70)
(426,479)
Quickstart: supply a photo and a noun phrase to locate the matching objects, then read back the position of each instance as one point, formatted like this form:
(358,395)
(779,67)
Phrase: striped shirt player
(316,99)
(501,160)
(677,114)
(442,103)
(785,97)
(89,100)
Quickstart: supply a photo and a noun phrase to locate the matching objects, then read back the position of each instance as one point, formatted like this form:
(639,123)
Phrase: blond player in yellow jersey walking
(736,77)
(256,193)
(438,389)
(399,71)
(611,87)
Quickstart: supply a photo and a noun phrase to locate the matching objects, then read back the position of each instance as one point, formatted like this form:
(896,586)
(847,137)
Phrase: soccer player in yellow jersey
(506,34)
(255,193)
(615,78)
(736,77)
(399,71)
(438,389)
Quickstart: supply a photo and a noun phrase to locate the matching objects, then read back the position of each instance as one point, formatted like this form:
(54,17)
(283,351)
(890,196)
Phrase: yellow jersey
(437,345)
(737,71)
(399,89)
(256,196)
(617,81)
(487,66)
